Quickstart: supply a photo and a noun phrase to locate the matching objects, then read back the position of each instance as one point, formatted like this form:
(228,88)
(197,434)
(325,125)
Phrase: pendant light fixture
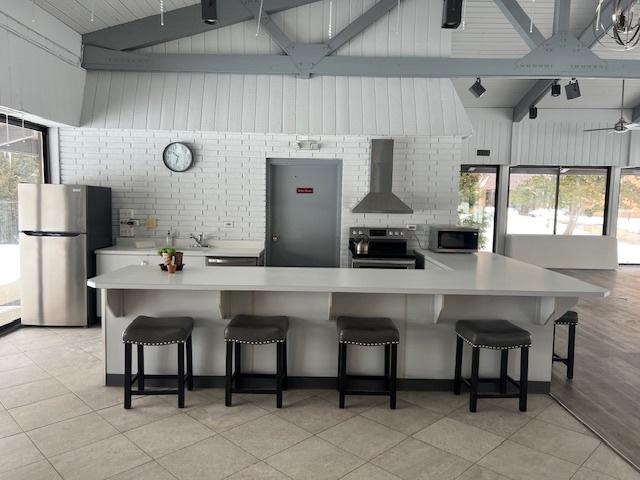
(533,14)
(162,13)
(464,15)
(259,17)
(625,27)
(24,132)
(93,10)
(398,19)
(33,11)
(330,19)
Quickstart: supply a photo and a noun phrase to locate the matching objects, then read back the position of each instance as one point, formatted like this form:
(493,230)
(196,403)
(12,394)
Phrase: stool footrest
(154,392)
(515,383)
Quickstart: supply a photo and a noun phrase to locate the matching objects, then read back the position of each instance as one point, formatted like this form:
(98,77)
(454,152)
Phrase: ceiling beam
(433,67)
(588,38)
(561,11)
(179,23)
(275,32)
(360,24)
(521,22)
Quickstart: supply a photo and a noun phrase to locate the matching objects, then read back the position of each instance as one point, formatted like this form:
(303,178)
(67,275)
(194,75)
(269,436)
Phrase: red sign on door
(304,190)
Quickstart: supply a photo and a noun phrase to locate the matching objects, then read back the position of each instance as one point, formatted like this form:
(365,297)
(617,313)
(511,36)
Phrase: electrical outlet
(413,227)
(227,224)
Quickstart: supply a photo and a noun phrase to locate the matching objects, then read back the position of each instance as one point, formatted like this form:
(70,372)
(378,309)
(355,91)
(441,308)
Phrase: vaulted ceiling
(486,34)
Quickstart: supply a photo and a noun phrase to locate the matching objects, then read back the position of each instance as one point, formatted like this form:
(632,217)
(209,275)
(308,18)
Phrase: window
(22,154)
(477,201)
(628,232)
(557,200)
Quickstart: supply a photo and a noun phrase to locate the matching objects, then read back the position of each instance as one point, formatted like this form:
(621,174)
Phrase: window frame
(17,122)
(558,173)
(496,213)
(636,171)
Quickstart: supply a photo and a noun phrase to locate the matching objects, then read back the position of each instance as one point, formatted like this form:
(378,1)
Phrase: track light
(572,89)
(209,12)
(477,89)
(555,90)
(533,112)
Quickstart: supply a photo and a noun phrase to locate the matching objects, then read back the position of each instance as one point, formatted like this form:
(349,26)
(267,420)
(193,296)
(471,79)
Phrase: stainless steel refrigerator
(60,228)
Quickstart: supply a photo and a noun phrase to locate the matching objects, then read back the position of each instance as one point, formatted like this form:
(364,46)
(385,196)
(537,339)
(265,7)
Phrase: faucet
(199,241)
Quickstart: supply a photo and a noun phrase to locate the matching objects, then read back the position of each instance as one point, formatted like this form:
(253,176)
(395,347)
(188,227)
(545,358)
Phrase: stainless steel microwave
(453,239)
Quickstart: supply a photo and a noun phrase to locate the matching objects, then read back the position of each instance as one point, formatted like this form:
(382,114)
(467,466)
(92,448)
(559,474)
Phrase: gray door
(303,212)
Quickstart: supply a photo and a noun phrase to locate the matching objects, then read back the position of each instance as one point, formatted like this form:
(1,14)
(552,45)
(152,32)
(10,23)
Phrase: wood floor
(605,392)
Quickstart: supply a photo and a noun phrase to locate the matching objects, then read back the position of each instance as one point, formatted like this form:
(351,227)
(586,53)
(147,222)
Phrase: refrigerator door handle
(31,233)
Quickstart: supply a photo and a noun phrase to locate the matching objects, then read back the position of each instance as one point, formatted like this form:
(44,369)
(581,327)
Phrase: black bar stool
(150,331)
(370,332)
(255,330)
(496,335)
(571,320)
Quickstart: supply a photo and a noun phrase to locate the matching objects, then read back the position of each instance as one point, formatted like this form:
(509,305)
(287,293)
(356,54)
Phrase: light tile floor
(57,421)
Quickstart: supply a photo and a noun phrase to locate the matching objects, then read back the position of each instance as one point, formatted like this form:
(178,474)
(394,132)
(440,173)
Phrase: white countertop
(220,248)
(468,274)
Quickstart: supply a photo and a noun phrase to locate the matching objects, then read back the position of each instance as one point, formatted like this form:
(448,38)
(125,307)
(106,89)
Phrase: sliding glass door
(22,152)
(628,232)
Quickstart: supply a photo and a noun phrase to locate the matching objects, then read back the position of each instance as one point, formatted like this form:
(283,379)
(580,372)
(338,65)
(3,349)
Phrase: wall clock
(177,157)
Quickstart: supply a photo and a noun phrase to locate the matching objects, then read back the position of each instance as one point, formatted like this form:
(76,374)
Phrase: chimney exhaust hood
(380,198)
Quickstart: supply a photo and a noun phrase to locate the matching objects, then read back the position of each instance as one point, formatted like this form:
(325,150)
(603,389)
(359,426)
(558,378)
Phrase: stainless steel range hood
(380,198)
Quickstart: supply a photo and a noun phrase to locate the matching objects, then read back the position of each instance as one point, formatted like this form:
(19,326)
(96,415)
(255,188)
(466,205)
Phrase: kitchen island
(424,304)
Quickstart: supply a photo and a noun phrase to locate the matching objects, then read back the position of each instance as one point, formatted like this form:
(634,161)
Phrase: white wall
(556,137)
(228,181)
(40,59)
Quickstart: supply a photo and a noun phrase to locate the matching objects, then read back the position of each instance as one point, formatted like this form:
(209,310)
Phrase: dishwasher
(232,261)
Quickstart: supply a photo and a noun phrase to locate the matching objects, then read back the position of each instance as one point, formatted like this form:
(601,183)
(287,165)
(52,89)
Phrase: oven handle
(365,261)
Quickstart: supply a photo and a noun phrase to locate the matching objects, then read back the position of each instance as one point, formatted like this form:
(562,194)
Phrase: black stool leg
(393,367)
(279,373)
(189,364)
(229,374)
(553,344)
(127,375)
(140,367)
(180,374)
(343,373)
(524,377)
(475,367)
(387,366)
(571,350)
(238,364)
(285,382)
(504,365)
(457,377)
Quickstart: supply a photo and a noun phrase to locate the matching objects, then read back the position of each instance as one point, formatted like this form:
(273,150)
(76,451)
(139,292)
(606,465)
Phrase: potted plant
(167,254)
(177,258)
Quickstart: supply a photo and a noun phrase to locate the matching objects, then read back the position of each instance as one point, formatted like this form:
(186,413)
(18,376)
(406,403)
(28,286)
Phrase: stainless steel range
(373,247)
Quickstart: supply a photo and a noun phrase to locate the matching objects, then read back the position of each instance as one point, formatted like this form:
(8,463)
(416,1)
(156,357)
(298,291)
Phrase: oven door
(387,263)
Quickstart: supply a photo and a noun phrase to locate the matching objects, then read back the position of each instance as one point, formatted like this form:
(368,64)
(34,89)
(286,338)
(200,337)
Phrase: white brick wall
(227,182)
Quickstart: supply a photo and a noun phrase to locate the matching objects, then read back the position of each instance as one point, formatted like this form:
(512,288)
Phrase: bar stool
(255,330)
(495,335)
(571,320)
(151,331)
(370,332)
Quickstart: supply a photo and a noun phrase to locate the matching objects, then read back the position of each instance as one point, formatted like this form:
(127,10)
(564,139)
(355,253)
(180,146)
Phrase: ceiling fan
(621,126)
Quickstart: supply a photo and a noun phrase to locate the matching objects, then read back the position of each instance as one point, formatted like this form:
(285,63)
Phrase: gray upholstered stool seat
(367,331)
(569,318)
(256,329)
(158,331)
(150,331)
(370,332)
(496,334)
